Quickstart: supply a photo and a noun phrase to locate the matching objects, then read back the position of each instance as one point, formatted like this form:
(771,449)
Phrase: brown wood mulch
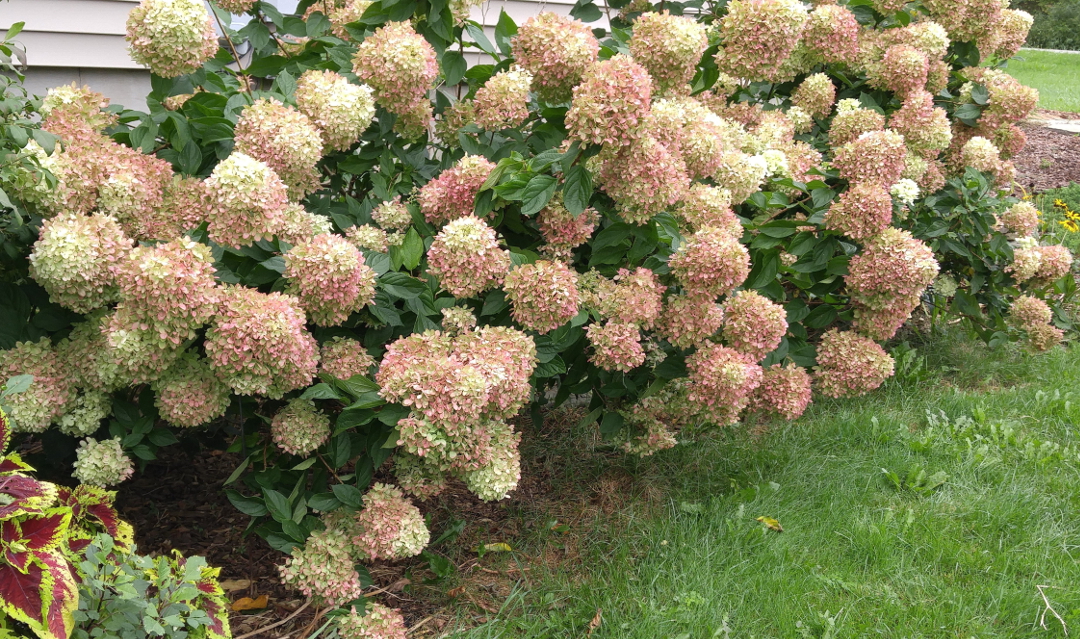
(1051,159)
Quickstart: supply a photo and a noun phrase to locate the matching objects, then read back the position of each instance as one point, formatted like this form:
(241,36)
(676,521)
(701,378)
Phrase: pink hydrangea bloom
(342,111)
(258,343)
(753,324)
(832,32)
(503,101)
(609,104)
(557,50)
(616,346)
(722,380)
(392,215)
(710,262)
(1020,219)
(815,95)
(101,463)
(784,391)
(343,357)
(644,179)
(851,122)
(563,230)
(1044,337)
(467,258)
(632,297)
(1055,263)
(283,138)
(850,365)
(877,156)
(299,428)
(892,265)
(189,394)
(1028,312)
(925,128)
(76,259)
(417,477)
(705,205)
(330,278)
(389,526)
(49,394)
(500,475)
(758,36)
(453,193)
(882,321)
(862,211)
(543,295)
(903,69)
(324,568)
(690,320)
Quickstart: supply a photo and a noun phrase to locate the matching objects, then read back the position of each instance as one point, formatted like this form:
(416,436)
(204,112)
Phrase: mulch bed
(1050,158)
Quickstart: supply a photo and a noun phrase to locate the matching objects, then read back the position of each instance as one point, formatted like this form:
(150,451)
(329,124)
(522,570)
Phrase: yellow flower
(1070,225)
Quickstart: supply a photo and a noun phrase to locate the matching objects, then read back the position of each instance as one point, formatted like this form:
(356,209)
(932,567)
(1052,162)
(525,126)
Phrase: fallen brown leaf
(230,585)
(455,592)
(596,621)
(247,603)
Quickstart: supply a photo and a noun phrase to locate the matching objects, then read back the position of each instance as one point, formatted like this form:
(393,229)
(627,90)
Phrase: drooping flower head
(300,225)
(76,259)
(849,365)
(389,526)
(557,50)
(669,47)
(283,138)
(324,568)
(377,622)
(690,320)
(925,128)
(84,415)
(248,201)
(392,215)
(300,428)
(330,278)
(892,265)
(564,231)
(543,295)
(171,37)
(741,174)
(500,475)
(632,297)
(503,101)
(703,205)
(102,463)
(453,193)
(368,237)
(343,357)
(711,263)
(753,324)
(816,95)
(1044,337)
(832,32)
(877,156)
(784,391)
(722,380)
(609,104)
(852,121)
(981,154)
(399,64)
(644,179)
(235,6)
(1054,263)
(189,394)
(1028,312)
(342,111)
(258,343)
(467,258)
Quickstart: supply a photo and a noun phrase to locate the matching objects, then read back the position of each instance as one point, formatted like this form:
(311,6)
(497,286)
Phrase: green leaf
(477,34)
(537,194)
(586,11)
(980,95)
(285,84)
(504,31)
(412,249)
(968,113)
(402,286)
(320,391)
(248,505)
(17,384)
(278,505)
(348,495)
(14,30)
(611,424)
(578,189)
(454,67)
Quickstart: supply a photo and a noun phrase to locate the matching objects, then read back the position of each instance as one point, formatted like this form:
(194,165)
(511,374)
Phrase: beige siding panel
(106,17)
(76,50)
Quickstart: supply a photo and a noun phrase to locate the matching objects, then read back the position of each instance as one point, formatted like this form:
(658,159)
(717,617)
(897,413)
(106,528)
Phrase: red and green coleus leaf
(93,512)
(5,431)
(44,597)
(12,463)
(36,533)
(20,495)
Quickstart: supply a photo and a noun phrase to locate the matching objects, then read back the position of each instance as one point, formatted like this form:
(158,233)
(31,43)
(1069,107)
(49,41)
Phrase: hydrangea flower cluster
(168,289)
(494,480)
(377,622)
(644,179)
(340,13)
(925,128)
(76,259)
(784,391)
(393,215)
(324,568)
(399,64)
(341,111)
(669,47)
(467,258)
(283,138)
(689,320)
(631,297)
(503,101)
(102,463)
(299,428)
(832,32)
(1027,258)
(248,200)
(543,295)
(564,231)
(458,320)
(258,345)
(876,156)
(343,358)
(49,395)
(1028,312)
(368,237)
(815,95)
(453,193)
(329,277)
(703,205)
(1055,261)
(609,104)
(753,324)
(616,346)
(722,381)
(862,211)
(139,355)
(189,394)
(389,526)
(235,6)
(557,50)
(886,280)
(852,121)
(710,263)
(849,365)
(84,415)
(758,37)
(171,37)
(741,174)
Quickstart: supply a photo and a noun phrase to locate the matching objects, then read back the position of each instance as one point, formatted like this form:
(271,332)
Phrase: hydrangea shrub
(354,247)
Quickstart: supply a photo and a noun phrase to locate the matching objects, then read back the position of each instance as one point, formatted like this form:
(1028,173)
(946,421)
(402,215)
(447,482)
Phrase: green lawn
(935,507)
(1055,75)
